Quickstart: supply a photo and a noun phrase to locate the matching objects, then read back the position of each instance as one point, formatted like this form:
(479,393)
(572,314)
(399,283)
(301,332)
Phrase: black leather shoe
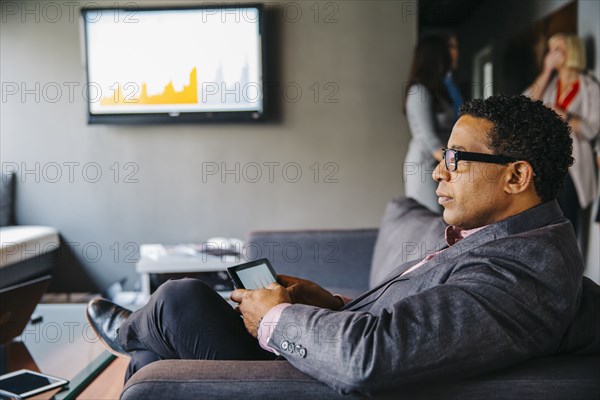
(106,318)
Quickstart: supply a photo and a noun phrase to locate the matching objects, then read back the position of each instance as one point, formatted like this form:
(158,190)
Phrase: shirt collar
(454,233)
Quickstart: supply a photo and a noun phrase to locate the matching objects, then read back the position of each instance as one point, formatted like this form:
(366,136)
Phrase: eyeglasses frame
(479,157)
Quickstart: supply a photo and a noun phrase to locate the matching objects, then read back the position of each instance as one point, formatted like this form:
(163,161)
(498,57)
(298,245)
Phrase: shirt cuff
(267,326)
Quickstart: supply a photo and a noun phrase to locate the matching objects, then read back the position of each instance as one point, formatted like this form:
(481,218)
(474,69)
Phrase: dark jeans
(186,319)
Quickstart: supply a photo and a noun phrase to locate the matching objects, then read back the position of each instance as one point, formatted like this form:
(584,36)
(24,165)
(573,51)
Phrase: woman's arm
(419,112)
(536,90)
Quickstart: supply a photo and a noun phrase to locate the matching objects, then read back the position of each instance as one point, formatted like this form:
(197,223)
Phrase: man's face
(473,195)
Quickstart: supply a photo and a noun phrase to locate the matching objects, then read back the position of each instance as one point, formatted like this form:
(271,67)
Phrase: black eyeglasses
(452,157)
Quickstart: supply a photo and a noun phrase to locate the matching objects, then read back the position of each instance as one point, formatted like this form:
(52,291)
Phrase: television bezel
(183,117)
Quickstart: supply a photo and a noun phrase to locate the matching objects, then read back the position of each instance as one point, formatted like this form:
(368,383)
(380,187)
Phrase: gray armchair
(341,260)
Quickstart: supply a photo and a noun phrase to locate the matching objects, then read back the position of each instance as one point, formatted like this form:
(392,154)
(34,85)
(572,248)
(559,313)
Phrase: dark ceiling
(445,13)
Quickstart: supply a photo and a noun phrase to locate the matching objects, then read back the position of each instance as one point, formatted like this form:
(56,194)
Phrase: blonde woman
(574,95)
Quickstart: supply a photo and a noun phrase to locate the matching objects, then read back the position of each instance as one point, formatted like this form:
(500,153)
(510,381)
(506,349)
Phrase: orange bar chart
(188,95)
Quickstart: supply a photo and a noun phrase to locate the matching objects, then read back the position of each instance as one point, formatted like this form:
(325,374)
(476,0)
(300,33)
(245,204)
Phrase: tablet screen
(27,382)
(254,275)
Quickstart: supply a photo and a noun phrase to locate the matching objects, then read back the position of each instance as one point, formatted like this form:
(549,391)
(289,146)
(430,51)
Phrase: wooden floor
(108,385)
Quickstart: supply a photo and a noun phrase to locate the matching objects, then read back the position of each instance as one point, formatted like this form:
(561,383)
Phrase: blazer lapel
(393,276)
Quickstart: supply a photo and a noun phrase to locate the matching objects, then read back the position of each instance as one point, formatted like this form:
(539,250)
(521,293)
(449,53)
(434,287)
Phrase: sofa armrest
(335,259)
(195,379)
(548,378)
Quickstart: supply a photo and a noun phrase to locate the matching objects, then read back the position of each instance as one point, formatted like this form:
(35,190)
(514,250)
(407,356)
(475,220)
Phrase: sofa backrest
(409,231)
(338,259)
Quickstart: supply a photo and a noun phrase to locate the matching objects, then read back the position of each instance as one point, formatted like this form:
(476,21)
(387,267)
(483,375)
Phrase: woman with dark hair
(453,89)
(430,117)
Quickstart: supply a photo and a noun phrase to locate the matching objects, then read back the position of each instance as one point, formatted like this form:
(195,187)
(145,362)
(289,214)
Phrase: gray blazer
(496,298)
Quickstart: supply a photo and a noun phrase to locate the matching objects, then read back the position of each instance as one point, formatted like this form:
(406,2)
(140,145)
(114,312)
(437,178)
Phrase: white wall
(366,54)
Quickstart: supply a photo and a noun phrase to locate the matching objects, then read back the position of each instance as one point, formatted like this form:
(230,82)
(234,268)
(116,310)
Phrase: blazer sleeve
(421,119)
(489,314)
(590,121)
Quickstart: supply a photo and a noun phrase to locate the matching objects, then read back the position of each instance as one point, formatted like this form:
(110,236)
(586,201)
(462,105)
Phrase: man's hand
(306,292)
(254,304)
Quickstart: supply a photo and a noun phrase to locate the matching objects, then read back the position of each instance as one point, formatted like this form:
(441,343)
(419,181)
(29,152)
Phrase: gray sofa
(349,262)
(27,252)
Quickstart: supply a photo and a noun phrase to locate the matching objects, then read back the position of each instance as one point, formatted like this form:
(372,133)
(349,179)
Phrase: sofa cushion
(408,232)
(7,199)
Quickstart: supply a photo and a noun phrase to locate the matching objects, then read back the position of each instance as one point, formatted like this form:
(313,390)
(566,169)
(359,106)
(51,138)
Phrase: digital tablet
(25,383)
(253,275)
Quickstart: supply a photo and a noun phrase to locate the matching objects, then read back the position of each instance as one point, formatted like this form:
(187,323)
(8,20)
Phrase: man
(504,290)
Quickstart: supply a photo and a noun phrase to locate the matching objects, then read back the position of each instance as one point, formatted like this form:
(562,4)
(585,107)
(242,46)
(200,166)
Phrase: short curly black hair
(528,130)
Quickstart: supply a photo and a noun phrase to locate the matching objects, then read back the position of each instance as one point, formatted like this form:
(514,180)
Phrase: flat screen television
(175,64)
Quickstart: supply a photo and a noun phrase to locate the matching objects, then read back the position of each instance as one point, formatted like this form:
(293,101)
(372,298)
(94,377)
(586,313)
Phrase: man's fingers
(273,285)
(293,293)
(237,295)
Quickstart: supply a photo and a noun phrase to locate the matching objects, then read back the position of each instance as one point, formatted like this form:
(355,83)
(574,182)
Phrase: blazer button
(301,351)
(284,345)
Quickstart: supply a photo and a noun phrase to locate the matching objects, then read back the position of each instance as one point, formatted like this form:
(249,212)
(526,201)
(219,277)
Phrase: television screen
(174,65)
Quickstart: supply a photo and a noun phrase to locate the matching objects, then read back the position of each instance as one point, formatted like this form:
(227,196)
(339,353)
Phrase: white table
(159,259)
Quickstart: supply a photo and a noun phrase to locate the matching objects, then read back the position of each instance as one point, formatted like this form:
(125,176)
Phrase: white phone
(24,383)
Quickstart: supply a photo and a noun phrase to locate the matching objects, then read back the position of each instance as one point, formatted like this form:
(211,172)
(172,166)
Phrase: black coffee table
(62,344)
